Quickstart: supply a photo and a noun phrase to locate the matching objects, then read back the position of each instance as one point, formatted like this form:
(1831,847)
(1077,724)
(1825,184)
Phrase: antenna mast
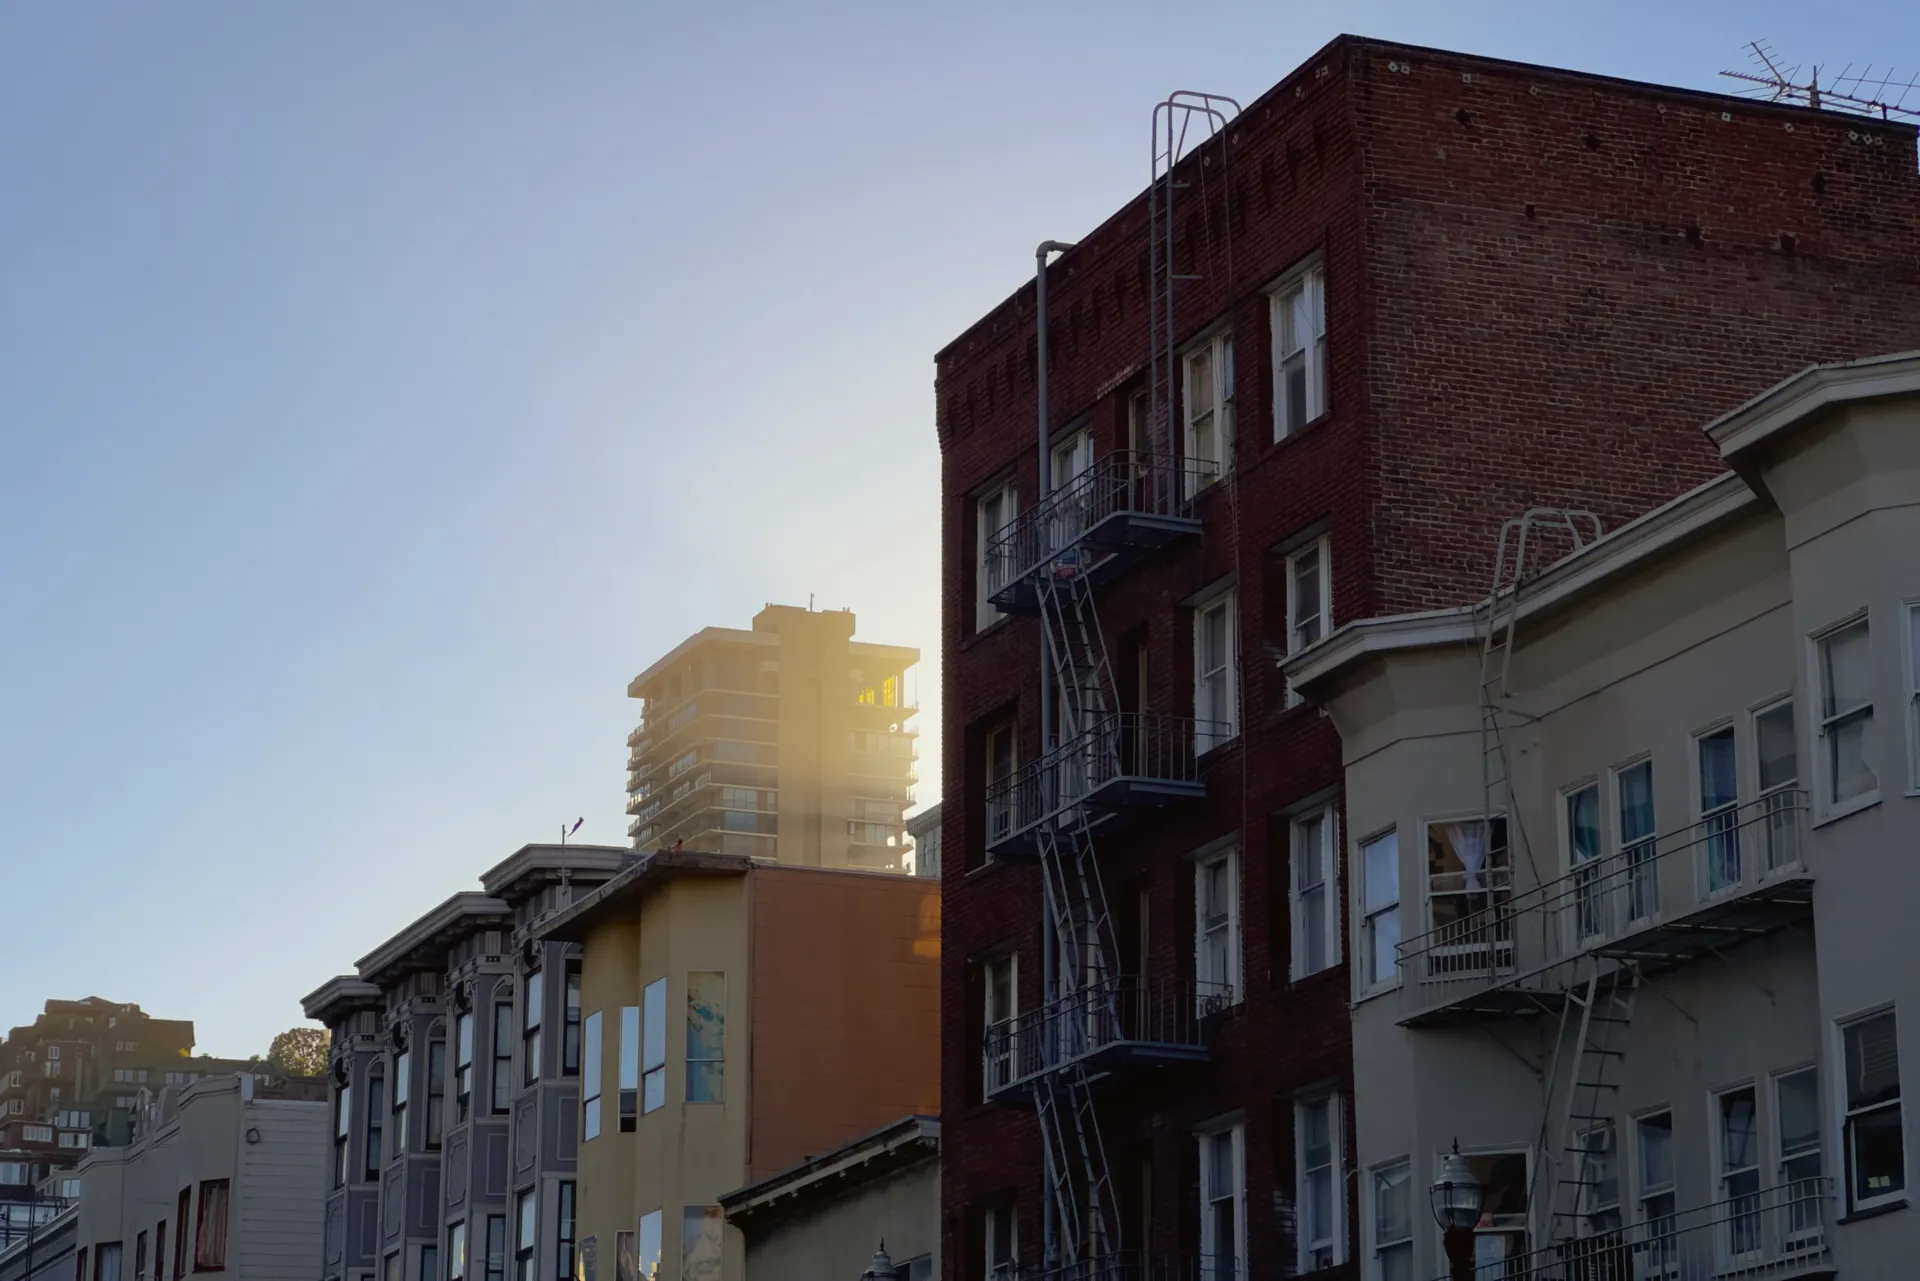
(1858,93)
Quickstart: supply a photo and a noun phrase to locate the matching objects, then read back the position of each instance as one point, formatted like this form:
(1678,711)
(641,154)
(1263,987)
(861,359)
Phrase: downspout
(1043,475)
(1044,480)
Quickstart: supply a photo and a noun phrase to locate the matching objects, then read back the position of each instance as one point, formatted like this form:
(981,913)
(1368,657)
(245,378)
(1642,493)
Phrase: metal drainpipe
(1044,480)
(1043,473)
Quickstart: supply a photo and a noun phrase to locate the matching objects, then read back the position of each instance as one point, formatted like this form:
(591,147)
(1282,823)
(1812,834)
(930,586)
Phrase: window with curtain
(210,1232)
(106,1261)
(1469,882)
(1655,1134)
(1309,599)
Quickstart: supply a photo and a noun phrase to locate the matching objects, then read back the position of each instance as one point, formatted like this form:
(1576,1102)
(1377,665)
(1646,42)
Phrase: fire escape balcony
(1123,762)
(1108,1027)
(1734,876)
(1775,1234)
(1131,1265)
(1103,521)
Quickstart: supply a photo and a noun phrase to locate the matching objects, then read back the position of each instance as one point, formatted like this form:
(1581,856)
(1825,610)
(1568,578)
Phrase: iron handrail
(1126,481)
(1144,745)
(1125,1009)
(1611,896)
(1773,1232)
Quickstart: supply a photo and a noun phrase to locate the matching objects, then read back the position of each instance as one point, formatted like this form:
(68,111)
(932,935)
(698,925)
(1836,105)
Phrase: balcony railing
(1123,759)
(1128,1265)
(1734,875)
(1123,501)
(1126,1018)
(1772,1235)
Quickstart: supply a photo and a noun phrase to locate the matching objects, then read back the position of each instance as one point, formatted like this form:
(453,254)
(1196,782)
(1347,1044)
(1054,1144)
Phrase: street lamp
(1457,1198)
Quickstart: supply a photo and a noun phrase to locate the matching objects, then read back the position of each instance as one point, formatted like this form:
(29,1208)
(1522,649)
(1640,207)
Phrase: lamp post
(1457,1198)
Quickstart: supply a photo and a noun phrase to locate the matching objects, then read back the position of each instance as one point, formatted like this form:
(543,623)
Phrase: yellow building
(788,741)
(740,1016)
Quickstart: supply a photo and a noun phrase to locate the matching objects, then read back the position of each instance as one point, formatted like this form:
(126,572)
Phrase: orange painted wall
(846,1009)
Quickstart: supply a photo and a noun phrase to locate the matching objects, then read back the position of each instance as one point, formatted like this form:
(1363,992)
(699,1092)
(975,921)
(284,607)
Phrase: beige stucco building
(740,1017)
(1634,926)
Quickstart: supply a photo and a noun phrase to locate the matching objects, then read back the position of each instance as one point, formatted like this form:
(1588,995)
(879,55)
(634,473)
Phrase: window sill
(1848,810)
(1375,993)
(1216,750)
(1872,1212)
(1317,979)
(1282,437)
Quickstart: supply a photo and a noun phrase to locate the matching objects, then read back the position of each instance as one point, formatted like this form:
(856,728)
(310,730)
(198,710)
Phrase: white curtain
(1469,841)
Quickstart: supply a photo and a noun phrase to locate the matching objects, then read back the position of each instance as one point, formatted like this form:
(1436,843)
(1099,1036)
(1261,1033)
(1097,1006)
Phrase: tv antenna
(1860,93)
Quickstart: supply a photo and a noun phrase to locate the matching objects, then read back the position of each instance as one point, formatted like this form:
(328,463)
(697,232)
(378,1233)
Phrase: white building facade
(1629,896)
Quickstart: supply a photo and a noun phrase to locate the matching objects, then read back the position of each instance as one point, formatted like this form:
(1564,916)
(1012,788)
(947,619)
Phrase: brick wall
(1518,315)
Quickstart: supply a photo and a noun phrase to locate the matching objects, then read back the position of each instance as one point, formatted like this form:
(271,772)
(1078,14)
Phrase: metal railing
(1774,1233)
(1125,1010)
(1128,1265)
(1122,483)
(1509,936)
(1121,745)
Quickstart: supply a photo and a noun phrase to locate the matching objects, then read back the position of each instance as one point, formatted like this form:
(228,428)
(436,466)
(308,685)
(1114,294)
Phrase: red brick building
(1480,287)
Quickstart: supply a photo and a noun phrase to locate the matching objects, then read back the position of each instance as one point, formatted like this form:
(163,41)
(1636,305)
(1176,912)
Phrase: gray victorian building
(455,1069)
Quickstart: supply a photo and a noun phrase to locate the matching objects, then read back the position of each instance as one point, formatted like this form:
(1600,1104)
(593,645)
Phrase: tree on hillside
(299,1051)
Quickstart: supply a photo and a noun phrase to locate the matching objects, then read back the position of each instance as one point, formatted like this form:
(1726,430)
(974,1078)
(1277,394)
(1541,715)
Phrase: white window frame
(986,613)
(997,1214)
(1235,1133)
(1824,724)
(1319,550)
(1496,949)
(1206,739)
(1203,968)
(1804,1234)
(1720,823)
(1777,796)
(1590,1204)
(1199,469)
(1378,1244)
(1075,451)
(1729,1232)
(1644,1192)
(1310,278)
(1367,913)
(1336,1246)
(1854,1204)
(1328,906)
(991,1015)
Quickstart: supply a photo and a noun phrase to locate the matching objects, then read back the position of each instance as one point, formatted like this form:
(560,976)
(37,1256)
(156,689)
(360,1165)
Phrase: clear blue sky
(382,385)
